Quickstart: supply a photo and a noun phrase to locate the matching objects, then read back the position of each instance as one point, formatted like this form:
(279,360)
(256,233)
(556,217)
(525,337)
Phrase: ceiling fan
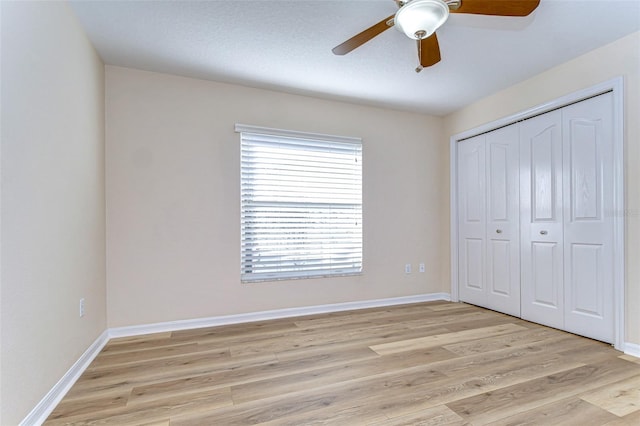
(419,20)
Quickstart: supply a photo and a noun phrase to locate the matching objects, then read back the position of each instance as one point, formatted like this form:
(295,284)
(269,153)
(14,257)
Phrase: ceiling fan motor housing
(419,19)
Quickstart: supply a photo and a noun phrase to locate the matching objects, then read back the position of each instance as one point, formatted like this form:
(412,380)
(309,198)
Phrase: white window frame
(333,195)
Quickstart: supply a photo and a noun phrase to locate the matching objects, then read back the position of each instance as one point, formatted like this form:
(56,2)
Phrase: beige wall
(52,214)
(619,58)
(173,206)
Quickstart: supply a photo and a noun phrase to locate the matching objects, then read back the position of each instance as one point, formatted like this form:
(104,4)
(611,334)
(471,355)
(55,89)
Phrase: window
(301,204)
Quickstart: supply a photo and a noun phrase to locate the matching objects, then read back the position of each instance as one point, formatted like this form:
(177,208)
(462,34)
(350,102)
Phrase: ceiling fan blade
(360,39)
(497,7)
(429,51)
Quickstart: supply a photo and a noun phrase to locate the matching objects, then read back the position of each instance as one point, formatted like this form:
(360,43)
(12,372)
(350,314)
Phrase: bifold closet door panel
(502,231)
(472,221)
(535,219)
(541,221)
(588,222)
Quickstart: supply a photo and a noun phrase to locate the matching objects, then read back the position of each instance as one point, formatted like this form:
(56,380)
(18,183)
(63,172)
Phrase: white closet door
(472,220)
(541,220)
(588,209)
(503,247)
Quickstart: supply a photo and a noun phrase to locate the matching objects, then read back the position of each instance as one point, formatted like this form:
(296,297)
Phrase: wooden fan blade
(360,39)
(429,51)
(498,7)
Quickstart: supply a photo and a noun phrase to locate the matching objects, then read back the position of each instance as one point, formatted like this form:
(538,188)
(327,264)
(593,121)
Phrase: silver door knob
(543,232)
(498,231)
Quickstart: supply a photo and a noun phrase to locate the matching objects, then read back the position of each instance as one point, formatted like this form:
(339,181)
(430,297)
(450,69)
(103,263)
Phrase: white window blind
(301,204)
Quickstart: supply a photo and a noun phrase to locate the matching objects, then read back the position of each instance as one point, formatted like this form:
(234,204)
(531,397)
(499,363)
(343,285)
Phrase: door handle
(498,231)
(543,232)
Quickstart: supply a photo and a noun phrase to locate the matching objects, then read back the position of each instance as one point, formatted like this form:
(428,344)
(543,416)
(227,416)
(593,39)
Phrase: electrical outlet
(81,307)
(422,267)
(407,268)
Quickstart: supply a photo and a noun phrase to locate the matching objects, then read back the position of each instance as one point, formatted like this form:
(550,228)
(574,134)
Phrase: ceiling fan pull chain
(419,67)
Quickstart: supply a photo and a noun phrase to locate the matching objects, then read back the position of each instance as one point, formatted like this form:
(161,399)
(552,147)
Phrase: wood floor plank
(139,339)
(571,411)
(479,323)
(440,307)
(138,343)
(70,408)
(163,422)
(440,415)
(630,358)
(511,400)
(259,372)
(632,419)
(489,344)
(154,411)
(433,363)
(406,316)
(343,401)
(140,360)
(317,377)
(234,330)
(590,351)
(620,398)
(457,388)
(106,379)
(253,414)
(444,339)
(509,359)
(120,358)
(366,335)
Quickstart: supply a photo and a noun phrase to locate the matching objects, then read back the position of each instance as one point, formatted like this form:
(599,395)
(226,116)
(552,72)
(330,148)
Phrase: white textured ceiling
(286,46)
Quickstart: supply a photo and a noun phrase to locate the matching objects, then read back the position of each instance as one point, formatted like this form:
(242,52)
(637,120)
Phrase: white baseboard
(162,327)
(39,414)
(632,349)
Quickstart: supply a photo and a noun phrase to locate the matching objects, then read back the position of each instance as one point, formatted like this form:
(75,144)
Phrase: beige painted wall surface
(53,232)
(173,204)
(621,58)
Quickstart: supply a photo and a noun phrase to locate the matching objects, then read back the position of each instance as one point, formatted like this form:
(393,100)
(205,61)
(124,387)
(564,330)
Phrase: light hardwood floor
(435,363)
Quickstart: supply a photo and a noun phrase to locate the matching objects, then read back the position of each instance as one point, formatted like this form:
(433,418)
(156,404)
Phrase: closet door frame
(615,86)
